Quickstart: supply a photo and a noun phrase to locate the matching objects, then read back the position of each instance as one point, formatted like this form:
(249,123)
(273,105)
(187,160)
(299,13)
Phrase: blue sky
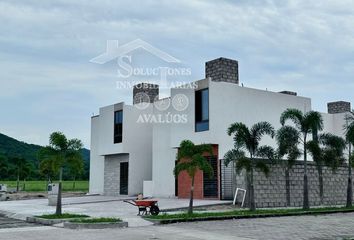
(48,82)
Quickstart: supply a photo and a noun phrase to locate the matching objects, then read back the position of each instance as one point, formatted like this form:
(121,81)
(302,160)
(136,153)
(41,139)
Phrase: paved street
(324,227)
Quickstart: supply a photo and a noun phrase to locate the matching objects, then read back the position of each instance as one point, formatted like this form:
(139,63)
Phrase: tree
(75,169)
(46,167)
(246,139)
(349,135)
(191,158)
(4,165)
(22,168)
(328,150)
(288,140)
(61,152)
(306,123)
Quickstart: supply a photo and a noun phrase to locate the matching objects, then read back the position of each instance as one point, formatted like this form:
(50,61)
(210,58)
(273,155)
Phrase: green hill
(10,147)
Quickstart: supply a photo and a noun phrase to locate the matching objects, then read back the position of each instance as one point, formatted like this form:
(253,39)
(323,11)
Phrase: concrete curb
(217,218)
(74,225)
(46,222)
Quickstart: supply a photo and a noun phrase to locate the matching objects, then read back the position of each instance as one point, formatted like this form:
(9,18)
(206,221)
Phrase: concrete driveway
(95,206)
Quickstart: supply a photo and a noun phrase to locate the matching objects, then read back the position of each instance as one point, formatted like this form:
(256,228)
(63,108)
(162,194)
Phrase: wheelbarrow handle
(130,202)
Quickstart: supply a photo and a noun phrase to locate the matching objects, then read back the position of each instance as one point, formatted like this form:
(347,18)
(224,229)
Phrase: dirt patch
(217,207)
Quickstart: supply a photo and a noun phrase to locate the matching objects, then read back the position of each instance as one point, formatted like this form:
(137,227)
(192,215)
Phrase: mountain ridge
(11,147)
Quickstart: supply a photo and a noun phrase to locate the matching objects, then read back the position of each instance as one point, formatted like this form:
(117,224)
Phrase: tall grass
(41,186)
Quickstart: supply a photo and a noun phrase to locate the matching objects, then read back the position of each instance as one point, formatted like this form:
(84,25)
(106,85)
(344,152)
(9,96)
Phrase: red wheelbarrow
(146,206)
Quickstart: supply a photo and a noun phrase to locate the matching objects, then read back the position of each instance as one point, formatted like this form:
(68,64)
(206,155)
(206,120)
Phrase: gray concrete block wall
(271,191)
(222,70)
(145,92)
(111,176)
(338,107)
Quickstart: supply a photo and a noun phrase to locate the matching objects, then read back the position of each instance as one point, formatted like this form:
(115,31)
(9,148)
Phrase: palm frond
(185,150)
(332,159)
(233,155)
(241,134)
(349,119)
(332,141)
(261,128)
(190,157)
(287,138)
(266,152)
(315,151)
(313,121)
(293,154)
(203,165)
(293,114)
(263,167)
(350,133)
(243,164)
(182,166)
(204,148)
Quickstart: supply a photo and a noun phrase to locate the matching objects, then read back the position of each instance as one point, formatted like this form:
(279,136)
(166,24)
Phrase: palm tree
(246,139)
(306,123)
(288,140)
(191,158)
(47,168)
(350,140)
(328,150)
(60,152)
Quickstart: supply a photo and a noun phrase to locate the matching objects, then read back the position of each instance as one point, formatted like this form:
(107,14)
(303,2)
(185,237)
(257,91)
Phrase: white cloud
(307,46)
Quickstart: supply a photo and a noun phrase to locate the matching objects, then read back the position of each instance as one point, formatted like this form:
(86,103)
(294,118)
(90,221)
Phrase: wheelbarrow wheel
(154,210)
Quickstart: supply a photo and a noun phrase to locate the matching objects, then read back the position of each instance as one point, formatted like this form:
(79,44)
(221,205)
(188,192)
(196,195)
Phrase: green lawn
(40,186)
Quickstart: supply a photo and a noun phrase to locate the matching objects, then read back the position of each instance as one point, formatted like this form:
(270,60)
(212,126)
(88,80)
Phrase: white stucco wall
(96,161)
(334,123)
(163,157)
(137,142)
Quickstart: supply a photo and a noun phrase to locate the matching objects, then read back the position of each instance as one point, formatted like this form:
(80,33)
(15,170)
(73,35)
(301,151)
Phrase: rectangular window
(202,110)
(118,126)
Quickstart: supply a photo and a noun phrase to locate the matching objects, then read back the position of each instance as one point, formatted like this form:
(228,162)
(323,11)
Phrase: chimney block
(222,70)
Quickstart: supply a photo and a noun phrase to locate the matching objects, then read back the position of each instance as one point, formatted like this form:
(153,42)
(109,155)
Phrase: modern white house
(134,147)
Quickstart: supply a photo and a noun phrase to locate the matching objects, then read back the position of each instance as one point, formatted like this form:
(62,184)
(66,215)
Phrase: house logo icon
(114,51)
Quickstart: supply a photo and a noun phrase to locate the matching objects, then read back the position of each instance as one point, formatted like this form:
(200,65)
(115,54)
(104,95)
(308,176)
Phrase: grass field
(40,186)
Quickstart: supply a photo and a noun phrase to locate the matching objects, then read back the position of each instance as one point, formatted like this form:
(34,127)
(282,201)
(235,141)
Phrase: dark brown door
(123,190)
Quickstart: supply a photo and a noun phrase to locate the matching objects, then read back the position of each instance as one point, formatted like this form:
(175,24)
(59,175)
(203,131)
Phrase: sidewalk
(95,206)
